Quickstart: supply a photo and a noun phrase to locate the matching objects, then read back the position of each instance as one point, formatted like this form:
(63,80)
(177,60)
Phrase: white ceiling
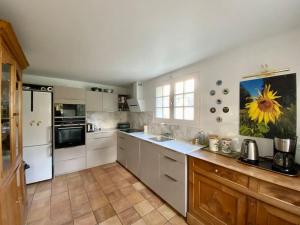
(120,41)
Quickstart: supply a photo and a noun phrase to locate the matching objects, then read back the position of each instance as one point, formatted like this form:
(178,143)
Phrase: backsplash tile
(106,119)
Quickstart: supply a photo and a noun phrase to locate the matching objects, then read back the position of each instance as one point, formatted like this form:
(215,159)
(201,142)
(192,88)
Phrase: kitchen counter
(229,163)
(175,145)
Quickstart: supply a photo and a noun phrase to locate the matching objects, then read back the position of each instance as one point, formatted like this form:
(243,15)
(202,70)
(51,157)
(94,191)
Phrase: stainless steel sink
(161,139)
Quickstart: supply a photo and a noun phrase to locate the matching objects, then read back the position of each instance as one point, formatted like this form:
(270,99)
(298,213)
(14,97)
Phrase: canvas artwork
(268,107)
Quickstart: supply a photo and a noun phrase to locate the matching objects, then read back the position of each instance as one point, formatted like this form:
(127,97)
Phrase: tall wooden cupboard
(12,183)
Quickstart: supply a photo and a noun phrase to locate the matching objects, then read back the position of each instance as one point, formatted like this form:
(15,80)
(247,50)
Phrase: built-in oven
(69,110)
(69,133)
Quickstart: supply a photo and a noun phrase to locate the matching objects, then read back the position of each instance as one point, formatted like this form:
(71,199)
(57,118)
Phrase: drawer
(222,172)
(172,167)
(173,192)
(101,156)
(173,155)
(69,166)
(69,153)
(100,142)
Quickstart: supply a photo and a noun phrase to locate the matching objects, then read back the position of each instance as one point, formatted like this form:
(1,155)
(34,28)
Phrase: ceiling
(120,41)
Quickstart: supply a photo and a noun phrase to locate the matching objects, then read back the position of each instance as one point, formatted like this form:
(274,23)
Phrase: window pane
(178,100)
(189,113)
(189,99)
(166,90)
(189,86)
(179,88)
(166,113)
(158,91)
(178,113)
(159,102)
(159,113)
(166,101)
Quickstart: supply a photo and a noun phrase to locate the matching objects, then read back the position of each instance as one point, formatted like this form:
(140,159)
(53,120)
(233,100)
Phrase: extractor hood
(137,103)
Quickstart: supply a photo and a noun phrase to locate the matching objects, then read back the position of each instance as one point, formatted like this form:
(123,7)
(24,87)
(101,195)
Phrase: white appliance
(37,135)
(137,103)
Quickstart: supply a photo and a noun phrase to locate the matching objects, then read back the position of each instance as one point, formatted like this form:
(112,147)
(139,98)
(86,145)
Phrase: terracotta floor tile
(132,180)
(31,188)
(89,187)
(143,207)
(115,195)
(43,186)
(60,197)
(109,188)
(138,186)
(154,218)
(155,201)
(177,220)
(147,193)
(104,213)
(62,217)
(97,203)
(57,189)
(166,211)
(45,221)
(87,219)
(111,221)
(42,194)
(127,190)
(121,204)
(39,214)
(140,222)
(78,200)
(73,192)
(81,210)
(129,216)
(44,202)
(122,183)
(95,194)
(135,197)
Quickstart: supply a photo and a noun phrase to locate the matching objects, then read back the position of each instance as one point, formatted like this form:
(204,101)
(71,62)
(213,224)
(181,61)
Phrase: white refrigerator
(37,135)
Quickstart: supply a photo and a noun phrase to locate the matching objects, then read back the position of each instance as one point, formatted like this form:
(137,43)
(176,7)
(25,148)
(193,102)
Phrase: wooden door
(214,203)
(269,215)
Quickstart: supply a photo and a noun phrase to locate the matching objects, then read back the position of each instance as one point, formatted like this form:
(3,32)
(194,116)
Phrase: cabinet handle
(171,178)
(121,137)
(167,157)
(216,171)
(121,148)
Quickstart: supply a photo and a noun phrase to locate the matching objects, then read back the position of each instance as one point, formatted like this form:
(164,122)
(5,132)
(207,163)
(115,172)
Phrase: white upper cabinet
(110,102)
(94,101)
(68,95)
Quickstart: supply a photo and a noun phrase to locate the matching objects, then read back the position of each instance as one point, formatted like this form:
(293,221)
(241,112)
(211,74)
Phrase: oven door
(69,136)
(69,110)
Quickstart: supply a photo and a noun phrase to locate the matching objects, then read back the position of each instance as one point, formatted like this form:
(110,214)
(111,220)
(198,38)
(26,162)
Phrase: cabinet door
(69,95)
(269,215)
(93,101)
(214,203)
(110,102)
(133,155)
(121,150)
(149,173)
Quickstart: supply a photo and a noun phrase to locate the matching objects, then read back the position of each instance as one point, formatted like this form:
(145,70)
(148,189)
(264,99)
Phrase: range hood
(137,103)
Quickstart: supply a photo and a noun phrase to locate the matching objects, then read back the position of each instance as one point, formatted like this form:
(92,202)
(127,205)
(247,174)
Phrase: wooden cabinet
(110,102)
(219,195)
(94,101)
(12,185)
(68,95)
(101,148)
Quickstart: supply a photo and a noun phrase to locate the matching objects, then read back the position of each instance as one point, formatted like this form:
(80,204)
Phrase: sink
(161,139)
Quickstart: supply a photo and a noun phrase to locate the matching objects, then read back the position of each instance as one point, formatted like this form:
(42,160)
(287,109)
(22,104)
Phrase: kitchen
(212,140)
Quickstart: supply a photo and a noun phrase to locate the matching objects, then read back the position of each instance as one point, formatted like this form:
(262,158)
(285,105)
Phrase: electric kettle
(249,151)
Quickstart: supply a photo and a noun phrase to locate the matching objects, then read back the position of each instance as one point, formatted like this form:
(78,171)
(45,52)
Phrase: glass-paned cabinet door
(5,116)
(17,114)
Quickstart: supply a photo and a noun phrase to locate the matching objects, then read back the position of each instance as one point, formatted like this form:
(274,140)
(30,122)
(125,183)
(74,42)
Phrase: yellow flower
(264,107)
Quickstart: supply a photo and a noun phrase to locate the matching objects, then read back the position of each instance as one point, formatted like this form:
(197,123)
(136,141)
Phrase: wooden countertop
(229,163)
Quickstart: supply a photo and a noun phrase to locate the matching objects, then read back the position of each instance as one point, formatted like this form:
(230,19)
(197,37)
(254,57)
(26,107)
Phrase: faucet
(168,133)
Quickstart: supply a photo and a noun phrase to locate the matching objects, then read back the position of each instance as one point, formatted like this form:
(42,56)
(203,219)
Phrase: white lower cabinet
(101,148)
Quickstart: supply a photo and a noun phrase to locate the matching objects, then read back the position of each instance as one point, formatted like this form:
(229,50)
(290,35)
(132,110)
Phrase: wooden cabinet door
(69,95)
(121,150)
(93,101)
(149,173)
(269,215)
(110,102)
(214,203)
(133,155)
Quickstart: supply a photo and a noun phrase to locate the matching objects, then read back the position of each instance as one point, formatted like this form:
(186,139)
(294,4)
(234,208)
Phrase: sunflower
(264,107)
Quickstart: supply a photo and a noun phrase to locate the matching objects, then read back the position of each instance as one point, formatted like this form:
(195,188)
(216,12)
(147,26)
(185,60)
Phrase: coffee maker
(284,155)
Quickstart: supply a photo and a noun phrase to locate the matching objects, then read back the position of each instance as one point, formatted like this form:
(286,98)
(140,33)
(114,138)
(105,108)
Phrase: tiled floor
(104,195)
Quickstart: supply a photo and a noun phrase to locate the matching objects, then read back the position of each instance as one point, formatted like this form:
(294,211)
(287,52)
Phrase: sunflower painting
(268,107)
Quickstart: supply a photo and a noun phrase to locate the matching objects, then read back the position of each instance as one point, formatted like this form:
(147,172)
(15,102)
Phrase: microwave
(69,110)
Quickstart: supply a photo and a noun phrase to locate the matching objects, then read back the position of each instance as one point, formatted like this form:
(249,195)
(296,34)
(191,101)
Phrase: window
(181,97)
(184,100)
(162,104)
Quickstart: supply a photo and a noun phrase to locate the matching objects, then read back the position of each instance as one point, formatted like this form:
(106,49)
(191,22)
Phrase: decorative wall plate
(219,101)
(212,110)
(226,91)
(212,92)
(219,82)
(225,109)
(219,119)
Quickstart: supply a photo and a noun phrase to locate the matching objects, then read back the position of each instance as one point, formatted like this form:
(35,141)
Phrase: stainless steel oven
(69,133)
(69,110)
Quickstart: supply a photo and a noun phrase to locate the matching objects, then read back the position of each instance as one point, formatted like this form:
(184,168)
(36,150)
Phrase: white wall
(45,80)
(278,52)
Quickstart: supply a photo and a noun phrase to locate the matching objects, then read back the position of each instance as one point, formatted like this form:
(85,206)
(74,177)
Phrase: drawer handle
(171,178)
(121,148)
(121,137)
(167,157)
(216,171)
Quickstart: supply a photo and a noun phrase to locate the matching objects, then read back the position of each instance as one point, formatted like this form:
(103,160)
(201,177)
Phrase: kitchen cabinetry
(219,195)
(94,101)
(68,95)
(12,185)
(101,102)
(101,148)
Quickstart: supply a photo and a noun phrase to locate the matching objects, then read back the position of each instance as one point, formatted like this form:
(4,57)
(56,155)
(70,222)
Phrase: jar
(214,143)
